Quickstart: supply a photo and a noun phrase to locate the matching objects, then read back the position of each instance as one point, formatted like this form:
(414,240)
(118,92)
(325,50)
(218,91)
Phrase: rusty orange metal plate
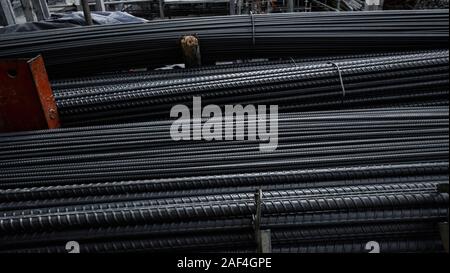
(26,97)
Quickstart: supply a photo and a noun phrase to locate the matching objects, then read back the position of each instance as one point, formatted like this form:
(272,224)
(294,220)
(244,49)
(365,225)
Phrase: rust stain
(26,97)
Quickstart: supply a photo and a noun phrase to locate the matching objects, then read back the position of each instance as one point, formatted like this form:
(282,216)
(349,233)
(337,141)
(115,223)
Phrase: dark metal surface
(354,81)
(362,139)
(332,184)
(100,48)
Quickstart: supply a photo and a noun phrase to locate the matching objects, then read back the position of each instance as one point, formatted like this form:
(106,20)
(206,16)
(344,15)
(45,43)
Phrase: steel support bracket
(262,237)
(26,97)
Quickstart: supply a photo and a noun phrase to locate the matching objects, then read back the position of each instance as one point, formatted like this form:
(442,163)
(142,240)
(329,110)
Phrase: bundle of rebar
(111,47)
(337,180)
(359,154)
(312,84)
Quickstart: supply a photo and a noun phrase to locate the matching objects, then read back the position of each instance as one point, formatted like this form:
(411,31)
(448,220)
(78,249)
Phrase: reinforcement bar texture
(345,82)
(338,179)
(100,48)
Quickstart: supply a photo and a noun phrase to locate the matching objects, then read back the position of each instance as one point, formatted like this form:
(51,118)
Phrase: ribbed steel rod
(98,48)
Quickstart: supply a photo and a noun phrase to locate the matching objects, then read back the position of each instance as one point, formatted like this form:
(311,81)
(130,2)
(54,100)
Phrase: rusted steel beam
(26,97)
(191,51)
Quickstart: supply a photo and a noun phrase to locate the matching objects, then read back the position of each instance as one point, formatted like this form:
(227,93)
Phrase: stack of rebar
(337,180)
(358,154)
(94,49)
(353,81)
